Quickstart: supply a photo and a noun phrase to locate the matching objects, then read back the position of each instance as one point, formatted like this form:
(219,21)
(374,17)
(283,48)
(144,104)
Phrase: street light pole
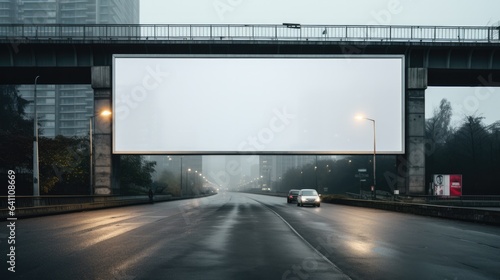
(91,148)
(187,181)
(374,153)
(316,173)
(36,175)
(181,176)
(374,158)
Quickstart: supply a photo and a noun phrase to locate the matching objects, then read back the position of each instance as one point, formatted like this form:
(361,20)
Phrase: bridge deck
(290,32)
(63,54)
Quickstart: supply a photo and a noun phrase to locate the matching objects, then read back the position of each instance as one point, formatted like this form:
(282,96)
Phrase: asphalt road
(244,236)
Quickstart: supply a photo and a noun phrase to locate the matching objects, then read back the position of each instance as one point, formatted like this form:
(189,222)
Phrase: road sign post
(362,175)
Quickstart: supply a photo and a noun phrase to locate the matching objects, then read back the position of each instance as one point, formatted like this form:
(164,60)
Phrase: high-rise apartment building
(8,12)
(69,11)
(65,109)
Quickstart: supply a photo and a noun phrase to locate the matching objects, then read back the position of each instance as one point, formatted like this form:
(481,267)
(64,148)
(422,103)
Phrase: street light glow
(361,117)
(105,113)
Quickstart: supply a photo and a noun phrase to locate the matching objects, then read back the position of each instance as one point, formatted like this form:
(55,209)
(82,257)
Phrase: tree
(494,143)
(136,174)
(438,133)
(16,138)
(168,183)
(472,136)
(473,150)
(339,176)
(64,165)
(438,127)
(470,150)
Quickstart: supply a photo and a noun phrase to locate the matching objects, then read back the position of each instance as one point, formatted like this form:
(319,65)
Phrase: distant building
(69,11)
(8,11)
(272,168)
(65,109)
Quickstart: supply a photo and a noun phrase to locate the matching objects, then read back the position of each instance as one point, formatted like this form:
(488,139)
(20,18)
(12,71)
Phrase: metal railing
(353,33)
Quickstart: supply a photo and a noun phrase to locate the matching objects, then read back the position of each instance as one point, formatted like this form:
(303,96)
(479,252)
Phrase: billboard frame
(266,56)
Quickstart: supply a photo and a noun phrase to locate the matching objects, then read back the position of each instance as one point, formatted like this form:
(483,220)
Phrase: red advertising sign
(455,185)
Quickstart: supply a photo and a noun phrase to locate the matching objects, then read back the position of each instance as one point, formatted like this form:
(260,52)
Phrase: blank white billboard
(257,104)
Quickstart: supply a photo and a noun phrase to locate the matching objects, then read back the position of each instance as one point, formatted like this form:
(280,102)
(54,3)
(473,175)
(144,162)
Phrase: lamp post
(316,173)
(200,181)
(36,175)
(374,153)
(91,148)
(181,176)
(187,181)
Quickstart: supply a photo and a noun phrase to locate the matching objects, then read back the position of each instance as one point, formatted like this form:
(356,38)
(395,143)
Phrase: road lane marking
(305,241)
(90,226)
(109,232)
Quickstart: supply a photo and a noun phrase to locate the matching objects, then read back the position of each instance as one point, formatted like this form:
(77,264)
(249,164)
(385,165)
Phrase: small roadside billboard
(447,184)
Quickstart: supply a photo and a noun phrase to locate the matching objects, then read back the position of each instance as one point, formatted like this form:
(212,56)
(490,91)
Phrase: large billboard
(257,104)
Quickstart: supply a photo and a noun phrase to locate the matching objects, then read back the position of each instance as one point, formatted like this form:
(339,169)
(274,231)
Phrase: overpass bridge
(82,54)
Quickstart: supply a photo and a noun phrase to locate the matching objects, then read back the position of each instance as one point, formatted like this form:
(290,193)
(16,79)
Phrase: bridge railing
(295,32)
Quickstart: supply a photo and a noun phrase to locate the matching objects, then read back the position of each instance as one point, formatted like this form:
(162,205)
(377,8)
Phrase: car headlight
(317,199)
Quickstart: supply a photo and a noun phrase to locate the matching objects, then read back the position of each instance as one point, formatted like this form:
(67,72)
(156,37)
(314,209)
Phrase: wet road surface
(245,236)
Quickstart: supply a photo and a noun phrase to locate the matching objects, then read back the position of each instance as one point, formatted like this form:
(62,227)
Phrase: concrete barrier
(441,211)
(28,212)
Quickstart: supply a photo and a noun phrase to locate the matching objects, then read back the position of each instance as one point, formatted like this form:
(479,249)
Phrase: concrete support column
(103,161)
(412,164)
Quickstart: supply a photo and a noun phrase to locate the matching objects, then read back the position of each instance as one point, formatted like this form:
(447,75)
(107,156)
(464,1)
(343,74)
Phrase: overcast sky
(465,101)
(414,12)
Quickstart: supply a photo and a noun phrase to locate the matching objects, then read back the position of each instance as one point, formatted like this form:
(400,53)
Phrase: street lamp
(104,113)
(374,151)
(181,176)
(187,181)
(316,173)
(36,175)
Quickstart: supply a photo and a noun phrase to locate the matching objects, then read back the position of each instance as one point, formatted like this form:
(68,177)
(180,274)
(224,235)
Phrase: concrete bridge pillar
(105,164)
(411,166)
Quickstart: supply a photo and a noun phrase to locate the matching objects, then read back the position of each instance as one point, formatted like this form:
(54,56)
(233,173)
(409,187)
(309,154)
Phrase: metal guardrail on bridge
(290,32)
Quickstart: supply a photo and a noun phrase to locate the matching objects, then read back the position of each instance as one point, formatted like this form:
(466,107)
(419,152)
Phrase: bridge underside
(82,75)
(428,64)
(63,62)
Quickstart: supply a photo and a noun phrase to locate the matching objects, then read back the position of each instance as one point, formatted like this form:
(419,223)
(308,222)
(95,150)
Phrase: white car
(308,197)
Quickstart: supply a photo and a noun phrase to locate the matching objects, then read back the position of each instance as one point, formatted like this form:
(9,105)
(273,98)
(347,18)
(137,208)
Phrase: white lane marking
(89,225)
(115,229)
(106,233)
(305,241)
